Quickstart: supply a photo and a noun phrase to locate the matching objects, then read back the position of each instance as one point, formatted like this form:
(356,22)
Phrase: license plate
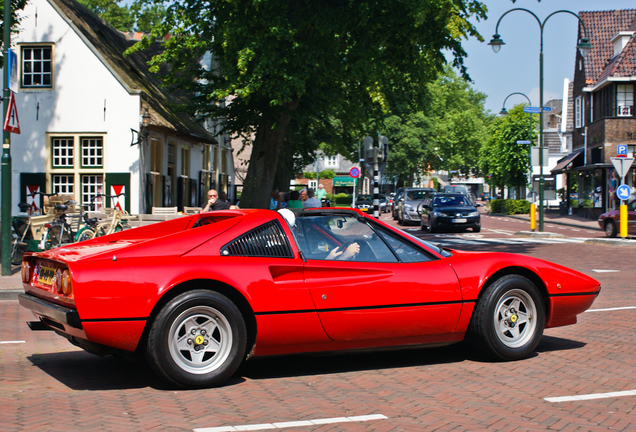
(45,276)
(458,220)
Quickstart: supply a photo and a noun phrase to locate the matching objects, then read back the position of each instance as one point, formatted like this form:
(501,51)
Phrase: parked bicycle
(118,221)
(28,231)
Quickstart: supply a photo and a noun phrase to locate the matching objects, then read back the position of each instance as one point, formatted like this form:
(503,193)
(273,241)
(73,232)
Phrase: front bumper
(412,216)
(452,222)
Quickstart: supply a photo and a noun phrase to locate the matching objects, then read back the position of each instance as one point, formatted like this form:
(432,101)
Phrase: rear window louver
(268,240)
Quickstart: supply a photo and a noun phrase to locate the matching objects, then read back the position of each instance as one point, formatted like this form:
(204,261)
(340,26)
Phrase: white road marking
(604,271)
(280,425)
(574,229)
(11,342)
(611,309)
(591,396)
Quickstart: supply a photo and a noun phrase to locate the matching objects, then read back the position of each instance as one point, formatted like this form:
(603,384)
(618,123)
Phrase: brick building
(604,114)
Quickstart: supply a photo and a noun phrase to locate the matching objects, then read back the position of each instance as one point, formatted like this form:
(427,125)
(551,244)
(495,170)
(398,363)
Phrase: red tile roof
(601,27)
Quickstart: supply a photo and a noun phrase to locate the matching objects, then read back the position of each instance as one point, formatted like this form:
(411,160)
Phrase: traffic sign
(622,165)
(536,110)
(623,192)
(621,150)
(354,172)
(11,122)
(523,142)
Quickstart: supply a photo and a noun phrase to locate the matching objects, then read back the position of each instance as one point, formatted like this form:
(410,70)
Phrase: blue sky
(516,67)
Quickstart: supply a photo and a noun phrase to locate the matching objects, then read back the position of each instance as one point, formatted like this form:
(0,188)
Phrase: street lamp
(584,47)
(504,112)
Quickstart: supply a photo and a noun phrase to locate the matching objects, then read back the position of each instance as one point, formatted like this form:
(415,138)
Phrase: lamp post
(5,262)
(504,112)
(583,46)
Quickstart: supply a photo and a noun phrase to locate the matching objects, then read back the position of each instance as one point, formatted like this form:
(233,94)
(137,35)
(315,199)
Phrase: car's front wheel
(508,320)
(197,340)
(610,229)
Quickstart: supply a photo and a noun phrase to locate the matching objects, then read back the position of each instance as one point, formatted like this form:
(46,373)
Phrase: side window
(404,251)
(330,237)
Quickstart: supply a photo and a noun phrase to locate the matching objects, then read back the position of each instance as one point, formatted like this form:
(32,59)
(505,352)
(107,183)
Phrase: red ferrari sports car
(200,294)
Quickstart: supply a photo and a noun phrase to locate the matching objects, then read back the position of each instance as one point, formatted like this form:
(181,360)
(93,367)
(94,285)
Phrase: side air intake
(268,240)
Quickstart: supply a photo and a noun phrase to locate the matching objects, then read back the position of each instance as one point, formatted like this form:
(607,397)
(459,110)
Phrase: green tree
(16,5)
(284,61)
(446,135)
(119,17)
(504,161)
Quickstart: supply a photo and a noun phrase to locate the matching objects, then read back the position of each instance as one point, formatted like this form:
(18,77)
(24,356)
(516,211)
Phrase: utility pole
(6,150)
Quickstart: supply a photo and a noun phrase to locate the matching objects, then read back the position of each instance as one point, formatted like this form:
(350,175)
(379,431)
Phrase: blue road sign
(523,142)
(535,110)
(623,192)
(621,150)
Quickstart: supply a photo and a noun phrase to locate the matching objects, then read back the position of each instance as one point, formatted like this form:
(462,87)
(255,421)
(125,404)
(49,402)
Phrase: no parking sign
(354,172)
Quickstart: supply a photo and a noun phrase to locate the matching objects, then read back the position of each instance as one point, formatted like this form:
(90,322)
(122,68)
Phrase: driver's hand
(352,250)
(334,254)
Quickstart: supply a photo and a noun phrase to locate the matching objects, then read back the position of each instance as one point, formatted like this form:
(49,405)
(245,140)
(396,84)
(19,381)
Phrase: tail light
(57,281)
(26,271)
(67,283)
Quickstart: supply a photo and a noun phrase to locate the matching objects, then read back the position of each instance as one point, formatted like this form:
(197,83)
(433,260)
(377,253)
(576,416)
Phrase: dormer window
(620,40)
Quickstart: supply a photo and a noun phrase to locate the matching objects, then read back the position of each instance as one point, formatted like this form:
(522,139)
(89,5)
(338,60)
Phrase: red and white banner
(120,201)
(33,200)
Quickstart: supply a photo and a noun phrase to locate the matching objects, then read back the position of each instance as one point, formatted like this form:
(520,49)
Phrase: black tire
(610,229)
(509,319)
(17,252)
(54,237)
(85,234)
(477,229)
(189,328)
(431,229)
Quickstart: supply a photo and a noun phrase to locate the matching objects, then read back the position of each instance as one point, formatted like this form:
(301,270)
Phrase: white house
(93,120)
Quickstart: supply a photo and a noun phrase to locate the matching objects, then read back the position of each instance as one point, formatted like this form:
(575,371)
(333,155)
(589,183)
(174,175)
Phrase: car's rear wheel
(197,340)
(508,320)
(610,229)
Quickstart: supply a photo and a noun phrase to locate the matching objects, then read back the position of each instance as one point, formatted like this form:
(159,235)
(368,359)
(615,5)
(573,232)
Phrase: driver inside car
(340,253)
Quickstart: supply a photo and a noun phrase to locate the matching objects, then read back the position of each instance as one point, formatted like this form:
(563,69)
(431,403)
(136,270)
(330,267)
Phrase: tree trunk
(285,167)
(259,181)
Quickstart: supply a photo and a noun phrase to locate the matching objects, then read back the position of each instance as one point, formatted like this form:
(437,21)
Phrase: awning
(342,181)
(564,163)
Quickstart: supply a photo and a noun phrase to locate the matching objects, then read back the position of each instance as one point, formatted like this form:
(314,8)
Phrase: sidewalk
(557,219)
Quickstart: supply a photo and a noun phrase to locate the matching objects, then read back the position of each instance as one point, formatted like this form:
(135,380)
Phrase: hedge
(343,199)
(508,206)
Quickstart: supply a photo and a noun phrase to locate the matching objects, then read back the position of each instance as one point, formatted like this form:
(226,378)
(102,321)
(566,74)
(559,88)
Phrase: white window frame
(331,161)
(75,172)
(31,63)
(578,112)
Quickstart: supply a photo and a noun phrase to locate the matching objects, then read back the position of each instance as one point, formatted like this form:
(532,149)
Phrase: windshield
(449,201)
(431,246)
(416,195)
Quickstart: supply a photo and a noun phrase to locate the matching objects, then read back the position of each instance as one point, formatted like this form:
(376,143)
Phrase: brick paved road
(48,385)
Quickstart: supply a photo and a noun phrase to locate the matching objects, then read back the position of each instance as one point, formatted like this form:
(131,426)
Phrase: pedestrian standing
(312,201)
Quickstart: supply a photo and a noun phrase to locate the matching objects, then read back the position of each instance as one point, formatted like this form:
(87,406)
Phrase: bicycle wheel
(17,251)
(102,229)
(85,233)
(122,227)
(53,237)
